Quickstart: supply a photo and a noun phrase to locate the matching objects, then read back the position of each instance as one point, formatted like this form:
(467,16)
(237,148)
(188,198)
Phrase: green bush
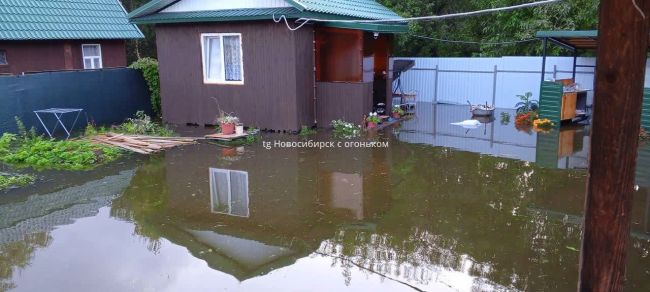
(149,68)
(142,124)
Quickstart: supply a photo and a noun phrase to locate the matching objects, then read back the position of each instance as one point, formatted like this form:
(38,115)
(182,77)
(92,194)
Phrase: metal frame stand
(58,114)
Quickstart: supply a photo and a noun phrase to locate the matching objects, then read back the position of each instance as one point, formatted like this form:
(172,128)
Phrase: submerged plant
(30,150)
(307,131)
(527,104)
(344,129)
(41,153)
(8,181)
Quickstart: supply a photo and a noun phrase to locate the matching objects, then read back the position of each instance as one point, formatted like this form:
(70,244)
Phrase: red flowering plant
(524,121)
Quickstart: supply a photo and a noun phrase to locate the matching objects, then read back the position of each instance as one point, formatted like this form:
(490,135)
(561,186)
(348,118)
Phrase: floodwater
(441,209)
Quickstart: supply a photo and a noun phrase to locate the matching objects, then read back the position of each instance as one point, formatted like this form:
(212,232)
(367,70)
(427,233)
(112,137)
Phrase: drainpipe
(313,58)
(544,58)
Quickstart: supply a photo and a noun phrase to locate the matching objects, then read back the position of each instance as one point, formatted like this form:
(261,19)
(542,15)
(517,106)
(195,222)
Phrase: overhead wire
(431,17)
(475,42)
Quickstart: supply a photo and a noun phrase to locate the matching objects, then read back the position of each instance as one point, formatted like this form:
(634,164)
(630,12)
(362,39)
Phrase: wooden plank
(623,36)
(223,137)
(569,105)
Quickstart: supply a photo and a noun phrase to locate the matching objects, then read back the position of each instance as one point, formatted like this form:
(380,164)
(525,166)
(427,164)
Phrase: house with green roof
(38,35)
(276,64)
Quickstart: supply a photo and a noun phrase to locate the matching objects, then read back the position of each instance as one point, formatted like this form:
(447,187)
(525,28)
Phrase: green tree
(140,48)
(492,28)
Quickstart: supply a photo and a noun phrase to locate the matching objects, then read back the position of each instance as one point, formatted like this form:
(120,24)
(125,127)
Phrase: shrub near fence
(107,96)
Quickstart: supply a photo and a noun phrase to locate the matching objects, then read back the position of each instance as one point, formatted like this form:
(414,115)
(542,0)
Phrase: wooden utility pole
(623,43)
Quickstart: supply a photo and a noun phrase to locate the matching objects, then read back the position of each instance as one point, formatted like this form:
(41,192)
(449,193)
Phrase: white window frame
(222,80)
(92,58)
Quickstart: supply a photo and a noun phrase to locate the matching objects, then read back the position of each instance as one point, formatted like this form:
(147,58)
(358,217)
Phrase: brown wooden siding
(36,56)
(346,101)
(278,75)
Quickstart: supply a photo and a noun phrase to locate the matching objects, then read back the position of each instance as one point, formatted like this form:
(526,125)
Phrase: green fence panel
(645,114)
(106,96)
(550,101)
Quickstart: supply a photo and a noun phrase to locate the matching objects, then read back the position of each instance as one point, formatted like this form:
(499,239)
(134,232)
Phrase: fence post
(494,86)
(554,72)
(435,86)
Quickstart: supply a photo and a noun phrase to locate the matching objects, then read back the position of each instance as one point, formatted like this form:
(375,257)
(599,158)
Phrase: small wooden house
(233,56)
(63,35)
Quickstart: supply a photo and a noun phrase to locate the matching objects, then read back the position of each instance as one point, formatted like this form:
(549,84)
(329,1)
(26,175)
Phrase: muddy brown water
(408,217)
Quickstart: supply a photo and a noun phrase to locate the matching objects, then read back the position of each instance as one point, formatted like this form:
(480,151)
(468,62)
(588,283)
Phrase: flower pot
(397,116)
(371,125)
(227,129)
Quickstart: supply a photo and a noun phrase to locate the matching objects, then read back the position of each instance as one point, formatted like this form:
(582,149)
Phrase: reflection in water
(397,219)
(229,192)
(25,226)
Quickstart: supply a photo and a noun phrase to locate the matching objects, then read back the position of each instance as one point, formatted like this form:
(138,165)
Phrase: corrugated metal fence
(107,96)
(491,80)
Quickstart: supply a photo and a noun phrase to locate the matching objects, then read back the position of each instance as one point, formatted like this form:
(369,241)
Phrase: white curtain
(90,50)
(213,56)
(232,58)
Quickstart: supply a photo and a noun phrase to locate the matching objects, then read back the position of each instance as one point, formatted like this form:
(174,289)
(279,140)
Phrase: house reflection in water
(261,212)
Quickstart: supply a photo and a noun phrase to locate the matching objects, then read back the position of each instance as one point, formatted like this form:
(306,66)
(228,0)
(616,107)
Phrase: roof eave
(373,27)
(150,8)
(182,19)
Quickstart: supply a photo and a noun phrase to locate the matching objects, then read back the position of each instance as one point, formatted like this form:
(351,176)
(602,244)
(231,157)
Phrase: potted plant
(398,112)
(372,120)
(227,122)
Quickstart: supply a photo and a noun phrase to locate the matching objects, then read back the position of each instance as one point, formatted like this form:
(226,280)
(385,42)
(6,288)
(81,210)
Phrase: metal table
(58,114)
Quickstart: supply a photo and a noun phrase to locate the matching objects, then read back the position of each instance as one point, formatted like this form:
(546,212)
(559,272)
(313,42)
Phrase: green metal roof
(264,14)
(330,10)
(366,9)
(65,19)
(567,34)
(218,15)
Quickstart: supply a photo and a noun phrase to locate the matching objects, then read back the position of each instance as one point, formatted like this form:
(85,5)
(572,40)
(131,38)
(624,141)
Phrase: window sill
(223,82)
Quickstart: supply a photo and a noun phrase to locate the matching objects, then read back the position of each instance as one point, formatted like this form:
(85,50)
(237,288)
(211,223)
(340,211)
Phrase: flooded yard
(442,208)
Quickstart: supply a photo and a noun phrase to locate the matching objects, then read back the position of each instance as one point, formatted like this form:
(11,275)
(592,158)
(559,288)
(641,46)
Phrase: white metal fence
(491,80)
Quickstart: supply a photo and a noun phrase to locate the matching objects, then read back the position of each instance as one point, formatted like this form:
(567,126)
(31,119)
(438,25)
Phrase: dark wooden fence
(106,96)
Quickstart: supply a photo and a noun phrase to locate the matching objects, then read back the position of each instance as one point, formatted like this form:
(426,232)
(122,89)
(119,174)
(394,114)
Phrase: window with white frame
(222,58)
(3,57)
(92,56)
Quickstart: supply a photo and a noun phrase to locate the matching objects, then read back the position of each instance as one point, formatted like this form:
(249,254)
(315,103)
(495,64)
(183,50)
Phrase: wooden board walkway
(141,144)
(222,137)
